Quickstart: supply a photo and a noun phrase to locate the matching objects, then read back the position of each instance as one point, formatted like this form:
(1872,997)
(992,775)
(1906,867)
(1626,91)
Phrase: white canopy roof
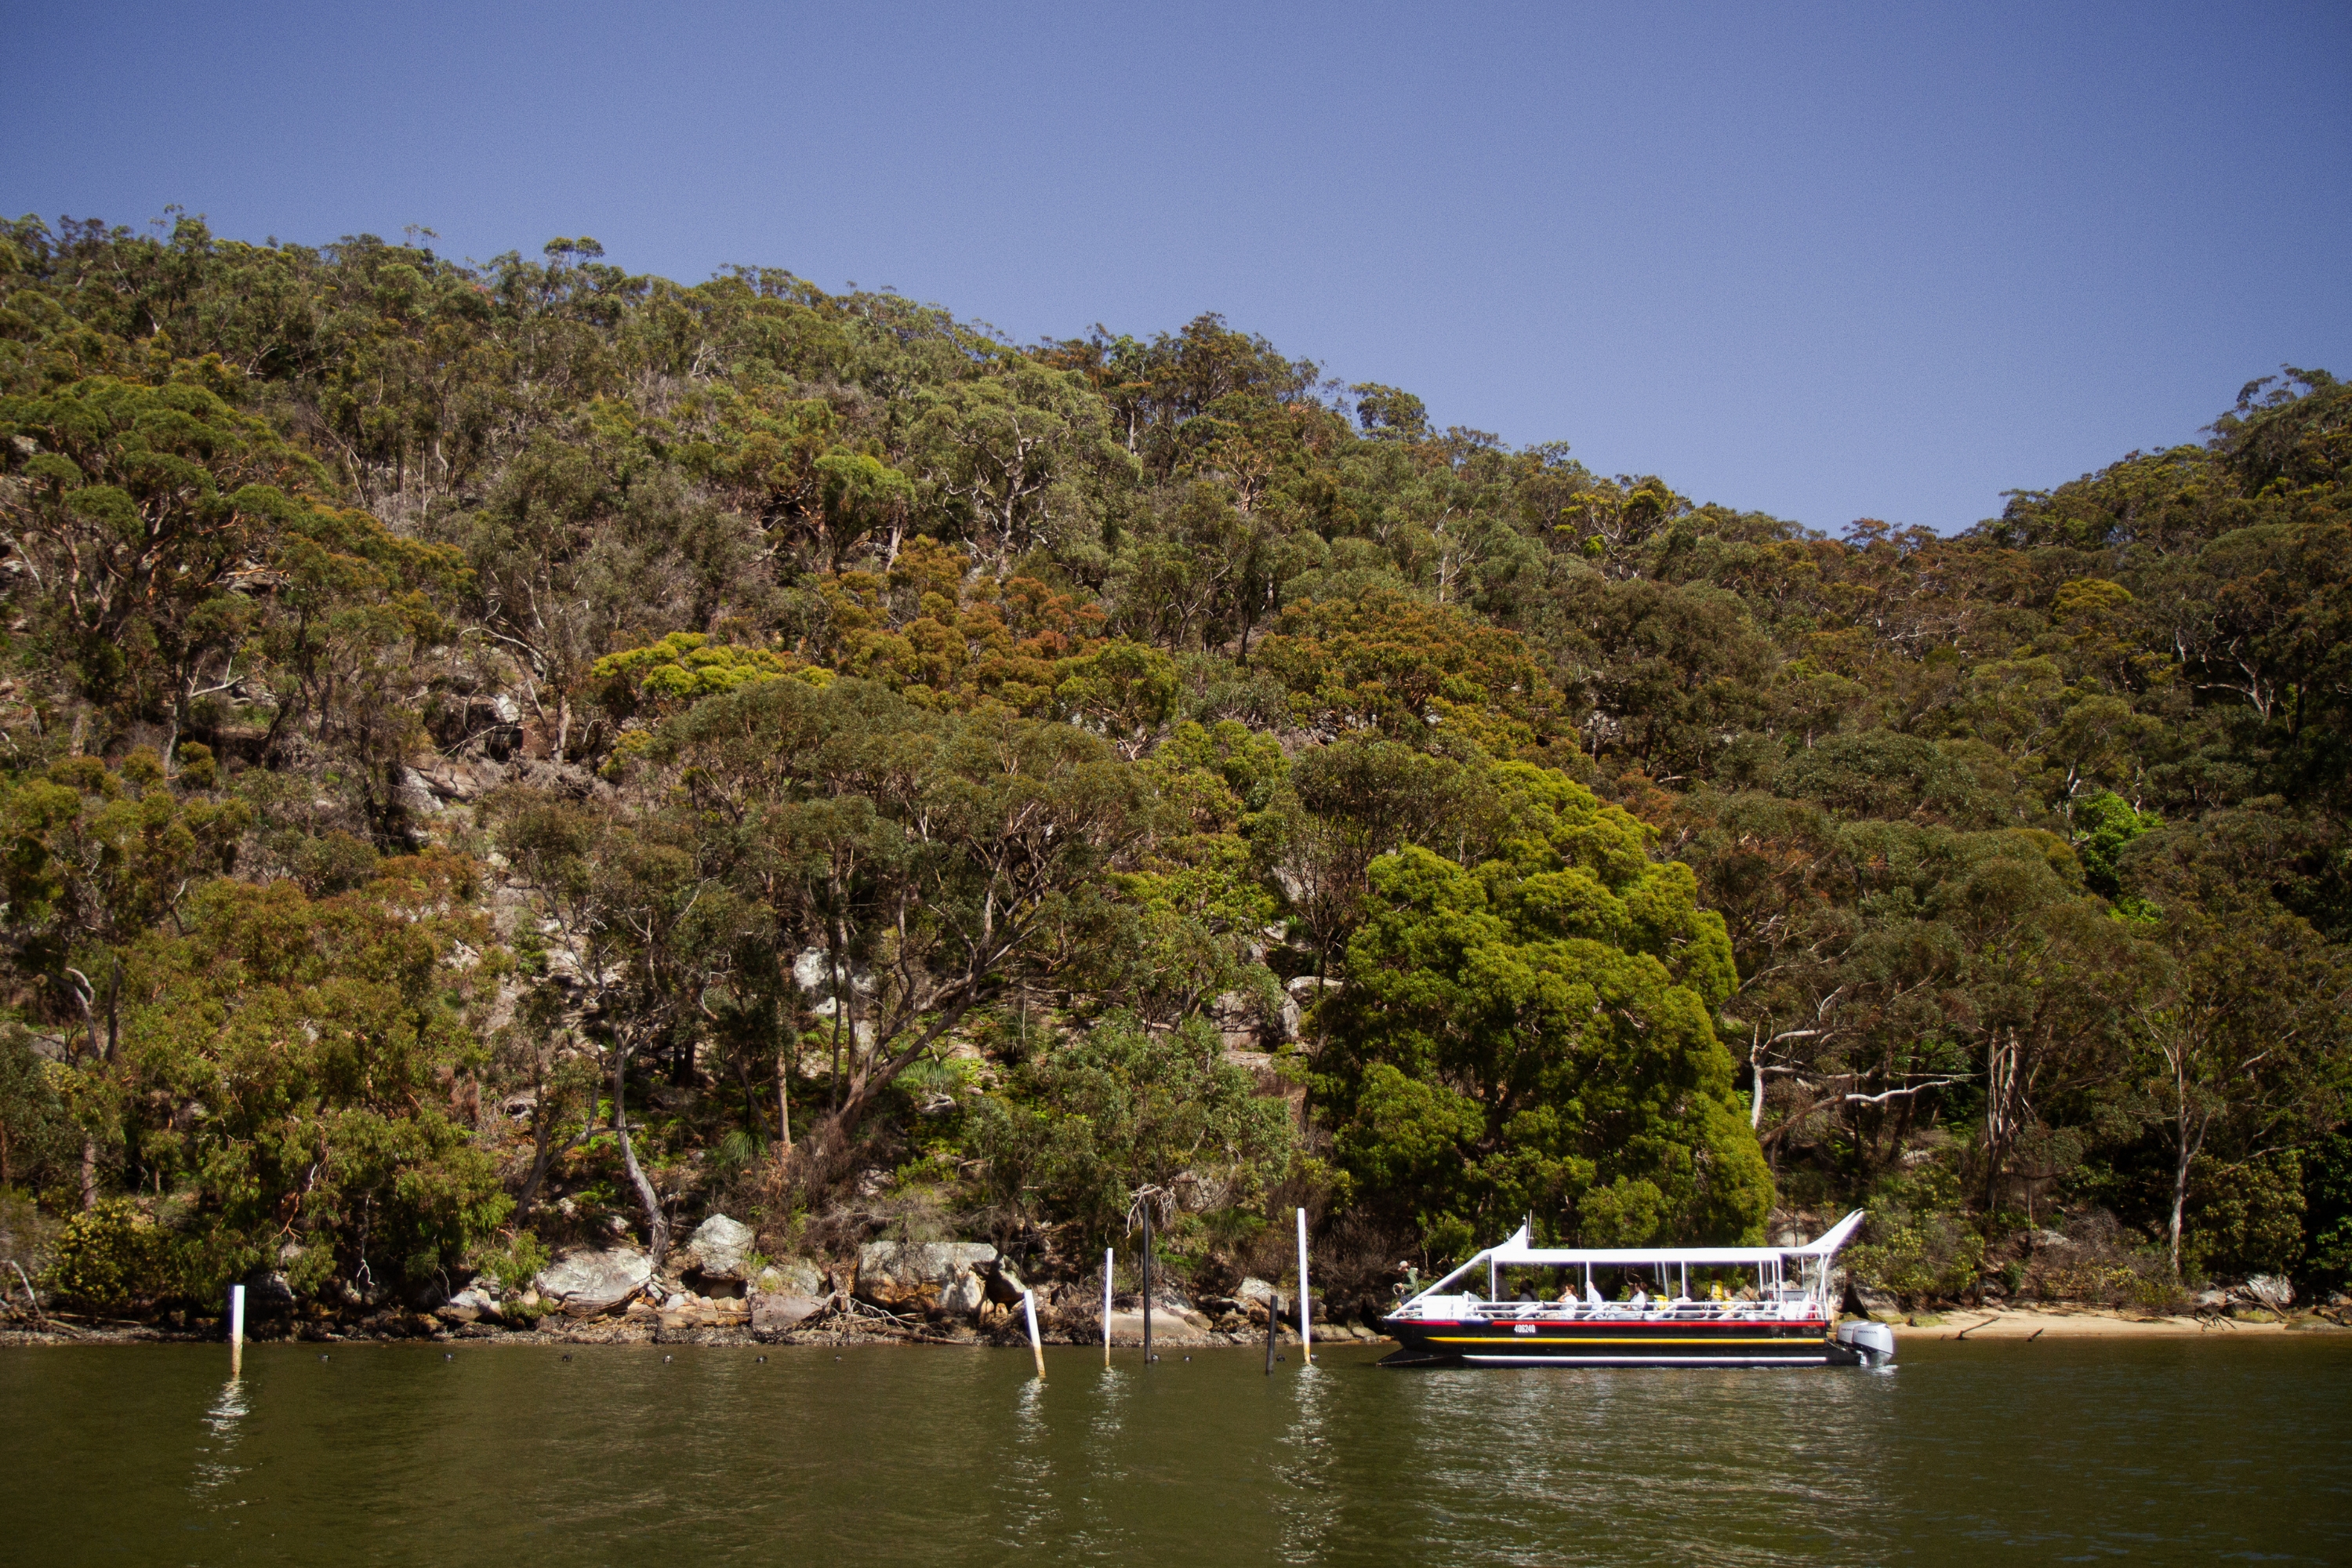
(1517,1251)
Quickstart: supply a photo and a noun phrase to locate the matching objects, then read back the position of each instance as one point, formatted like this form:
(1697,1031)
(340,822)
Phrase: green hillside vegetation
(495,755)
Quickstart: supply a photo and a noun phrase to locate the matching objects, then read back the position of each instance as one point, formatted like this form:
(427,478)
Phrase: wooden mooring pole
(1147,1284)
(235,1330)
(1107,1255)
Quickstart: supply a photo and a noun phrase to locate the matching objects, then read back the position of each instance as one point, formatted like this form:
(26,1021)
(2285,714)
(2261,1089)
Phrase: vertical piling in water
(1306,1344)
(1106,1263)
(1147,1284)
(1273,1323)
(235,1329)
(1036,1348)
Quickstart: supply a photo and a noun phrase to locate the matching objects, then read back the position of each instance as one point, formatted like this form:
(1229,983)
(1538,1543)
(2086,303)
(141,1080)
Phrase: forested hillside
(494,755)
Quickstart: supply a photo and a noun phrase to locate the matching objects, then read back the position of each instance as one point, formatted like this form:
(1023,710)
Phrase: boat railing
(1679,1310)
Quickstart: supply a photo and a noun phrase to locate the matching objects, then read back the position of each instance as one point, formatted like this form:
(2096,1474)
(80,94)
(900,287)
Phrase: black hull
(1604,1343)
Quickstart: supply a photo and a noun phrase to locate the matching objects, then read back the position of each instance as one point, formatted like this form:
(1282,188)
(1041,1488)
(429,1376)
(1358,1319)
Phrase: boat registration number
(1523,1327)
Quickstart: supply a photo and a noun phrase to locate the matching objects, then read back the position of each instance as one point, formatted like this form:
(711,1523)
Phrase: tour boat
(1760,1305)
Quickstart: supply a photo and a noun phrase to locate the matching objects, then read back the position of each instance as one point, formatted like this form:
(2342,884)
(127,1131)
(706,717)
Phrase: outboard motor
(1873,1342)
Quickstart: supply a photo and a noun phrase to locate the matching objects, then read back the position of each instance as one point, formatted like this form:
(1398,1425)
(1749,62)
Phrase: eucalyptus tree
(935,862)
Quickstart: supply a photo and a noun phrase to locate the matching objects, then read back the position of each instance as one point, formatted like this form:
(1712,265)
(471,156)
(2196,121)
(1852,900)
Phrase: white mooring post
(1106,1263)
(1306,1343)
(1029,1306)
(235,1328)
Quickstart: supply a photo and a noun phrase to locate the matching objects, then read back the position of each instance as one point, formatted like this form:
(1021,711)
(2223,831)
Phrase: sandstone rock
(792,1277)
(1178,1329)
(718,1246)
(1874,1303)
(772,1314)
(922,1275)
(588,1281)
(470,1305)
(1254,1289)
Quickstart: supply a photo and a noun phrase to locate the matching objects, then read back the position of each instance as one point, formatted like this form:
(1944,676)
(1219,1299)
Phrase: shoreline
(2006,1323)
(615,1329)
(2100,1322)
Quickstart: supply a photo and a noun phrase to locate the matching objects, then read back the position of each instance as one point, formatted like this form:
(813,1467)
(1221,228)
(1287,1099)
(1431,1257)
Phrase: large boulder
(792,1277)
(924,1276)
(718,1248)
(590,1280)
(468,1306)
(772,1314)
(1168,1328)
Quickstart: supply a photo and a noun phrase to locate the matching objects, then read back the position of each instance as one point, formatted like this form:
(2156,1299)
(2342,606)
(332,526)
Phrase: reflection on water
(2152,1451)
(212,1468)
(1026,1485)
(1309,1505)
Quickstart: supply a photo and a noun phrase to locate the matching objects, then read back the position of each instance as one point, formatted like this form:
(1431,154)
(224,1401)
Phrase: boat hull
(1602,1343)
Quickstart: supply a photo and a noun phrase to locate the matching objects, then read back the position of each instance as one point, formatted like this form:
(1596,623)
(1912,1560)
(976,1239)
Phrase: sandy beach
(2015,1323)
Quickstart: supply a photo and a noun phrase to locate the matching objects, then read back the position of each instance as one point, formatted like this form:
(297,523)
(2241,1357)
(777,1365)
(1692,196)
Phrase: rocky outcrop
(681,1311)
(470,1305)
(775,1313)
(718,1250)
(925,1277)
(588,1282)
(792,1277)
(1170,1326)
(1868,1302)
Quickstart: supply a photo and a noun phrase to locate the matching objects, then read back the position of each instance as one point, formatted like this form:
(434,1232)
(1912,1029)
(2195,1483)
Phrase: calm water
(2163,1451)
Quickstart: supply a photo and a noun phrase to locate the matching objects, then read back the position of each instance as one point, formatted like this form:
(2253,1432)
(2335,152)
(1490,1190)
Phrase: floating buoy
(761,1358)
(664,1360)
(567,1355)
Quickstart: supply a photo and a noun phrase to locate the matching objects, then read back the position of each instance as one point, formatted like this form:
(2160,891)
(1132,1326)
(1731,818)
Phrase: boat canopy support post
(1459,1270)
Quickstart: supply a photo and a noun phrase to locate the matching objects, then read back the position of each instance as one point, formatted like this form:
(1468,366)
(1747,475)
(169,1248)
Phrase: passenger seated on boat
(1592,1297)
(1640,1301)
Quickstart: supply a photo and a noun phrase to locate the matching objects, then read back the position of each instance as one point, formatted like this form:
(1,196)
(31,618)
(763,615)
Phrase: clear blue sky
(1830,262)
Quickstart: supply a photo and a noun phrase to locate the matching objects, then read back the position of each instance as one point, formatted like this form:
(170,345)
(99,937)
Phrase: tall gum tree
(1531,1036)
